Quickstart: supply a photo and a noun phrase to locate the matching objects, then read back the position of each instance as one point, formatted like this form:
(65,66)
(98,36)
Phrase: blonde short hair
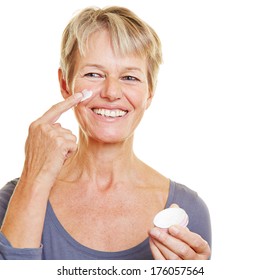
(129,35)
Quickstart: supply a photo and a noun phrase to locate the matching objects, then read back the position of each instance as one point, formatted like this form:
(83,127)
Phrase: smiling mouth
(110,113)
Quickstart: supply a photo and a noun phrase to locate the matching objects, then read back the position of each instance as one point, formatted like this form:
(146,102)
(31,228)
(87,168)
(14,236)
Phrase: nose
(112,89)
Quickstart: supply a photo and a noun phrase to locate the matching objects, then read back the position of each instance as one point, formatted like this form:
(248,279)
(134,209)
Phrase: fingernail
(78,95)
(174,230)
(86,94)
(174,205)
(155,232)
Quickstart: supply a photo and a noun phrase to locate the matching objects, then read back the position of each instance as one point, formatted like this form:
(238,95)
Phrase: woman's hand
(178,243)
(48,144)
(47,147)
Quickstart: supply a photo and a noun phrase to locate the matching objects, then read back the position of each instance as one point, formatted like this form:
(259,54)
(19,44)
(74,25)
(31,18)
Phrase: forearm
(48,146)
(24,219)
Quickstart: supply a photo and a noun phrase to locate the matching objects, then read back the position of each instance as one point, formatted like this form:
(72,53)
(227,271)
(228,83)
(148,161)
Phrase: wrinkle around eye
(94,75)
(131,78)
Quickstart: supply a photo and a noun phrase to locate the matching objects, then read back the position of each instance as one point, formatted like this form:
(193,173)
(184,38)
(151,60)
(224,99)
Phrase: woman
(94,199)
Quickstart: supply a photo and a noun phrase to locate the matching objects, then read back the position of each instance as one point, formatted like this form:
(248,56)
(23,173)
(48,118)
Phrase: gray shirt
(58,244)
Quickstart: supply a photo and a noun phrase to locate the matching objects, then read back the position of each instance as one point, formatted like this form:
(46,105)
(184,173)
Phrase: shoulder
(183,196)
(182,193)
(196,208)
(5,195)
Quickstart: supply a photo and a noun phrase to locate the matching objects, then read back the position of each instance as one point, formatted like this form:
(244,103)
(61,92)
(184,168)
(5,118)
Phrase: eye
(130,78)
(93,75)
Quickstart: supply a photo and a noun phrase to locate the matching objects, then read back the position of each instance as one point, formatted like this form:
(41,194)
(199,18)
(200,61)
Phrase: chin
(107,135)
(110,138)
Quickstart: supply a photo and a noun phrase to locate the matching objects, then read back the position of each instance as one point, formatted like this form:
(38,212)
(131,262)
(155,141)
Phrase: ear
(149,99)
(63,85)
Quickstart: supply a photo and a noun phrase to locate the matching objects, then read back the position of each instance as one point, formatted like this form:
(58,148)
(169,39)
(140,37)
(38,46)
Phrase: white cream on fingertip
(86,94)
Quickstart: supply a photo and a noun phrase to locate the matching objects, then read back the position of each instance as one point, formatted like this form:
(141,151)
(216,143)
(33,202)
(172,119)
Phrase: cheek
(80,114)
(81,85)
(138,98)
(142,104)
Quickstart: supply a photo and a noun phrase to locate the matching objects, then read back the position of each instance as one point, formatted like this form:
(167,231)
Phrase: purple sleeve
(7,252)
(197,210)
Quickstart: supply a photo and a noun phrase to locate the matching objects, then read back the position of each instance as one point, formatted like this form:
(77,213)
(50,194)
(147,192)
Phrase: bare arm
(47,147)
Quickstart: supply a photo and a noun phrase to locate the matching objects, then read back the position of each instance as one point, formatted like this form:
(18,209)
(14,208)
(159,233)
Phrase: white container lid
(171,216)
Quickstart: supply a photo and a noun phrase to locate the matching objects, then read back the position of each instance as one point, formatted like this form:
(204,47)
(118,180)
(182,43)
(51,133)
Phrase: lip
(109,107)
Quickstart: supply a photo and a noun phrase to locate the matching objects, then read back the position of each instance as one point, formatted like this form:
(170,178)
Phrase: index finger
(53,114)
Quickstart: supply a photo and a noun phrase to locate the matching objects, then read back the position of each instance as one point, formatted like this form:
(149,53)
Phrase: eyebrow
(134,69)
(99,66)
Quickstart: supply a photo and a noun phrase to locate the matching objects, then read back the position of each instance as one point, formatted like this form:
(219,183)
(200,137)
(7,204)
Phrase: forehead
(99,50)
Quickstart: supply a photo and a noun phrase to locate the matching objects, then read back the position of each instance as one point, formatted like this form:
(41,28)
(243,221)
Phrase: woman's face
(120,91)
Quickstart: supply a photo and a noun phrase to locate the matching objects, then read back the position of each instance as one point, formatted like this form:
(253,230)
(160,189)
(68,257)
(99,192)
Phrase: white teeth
(110,113)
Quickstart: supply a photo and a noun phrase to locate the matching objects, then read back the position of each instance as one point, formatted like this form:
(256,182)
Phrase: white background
(202,129)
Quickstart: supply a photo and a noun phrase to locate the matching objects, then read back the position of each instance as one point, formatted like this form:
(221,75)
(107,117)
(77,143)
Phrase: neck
(103,164)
